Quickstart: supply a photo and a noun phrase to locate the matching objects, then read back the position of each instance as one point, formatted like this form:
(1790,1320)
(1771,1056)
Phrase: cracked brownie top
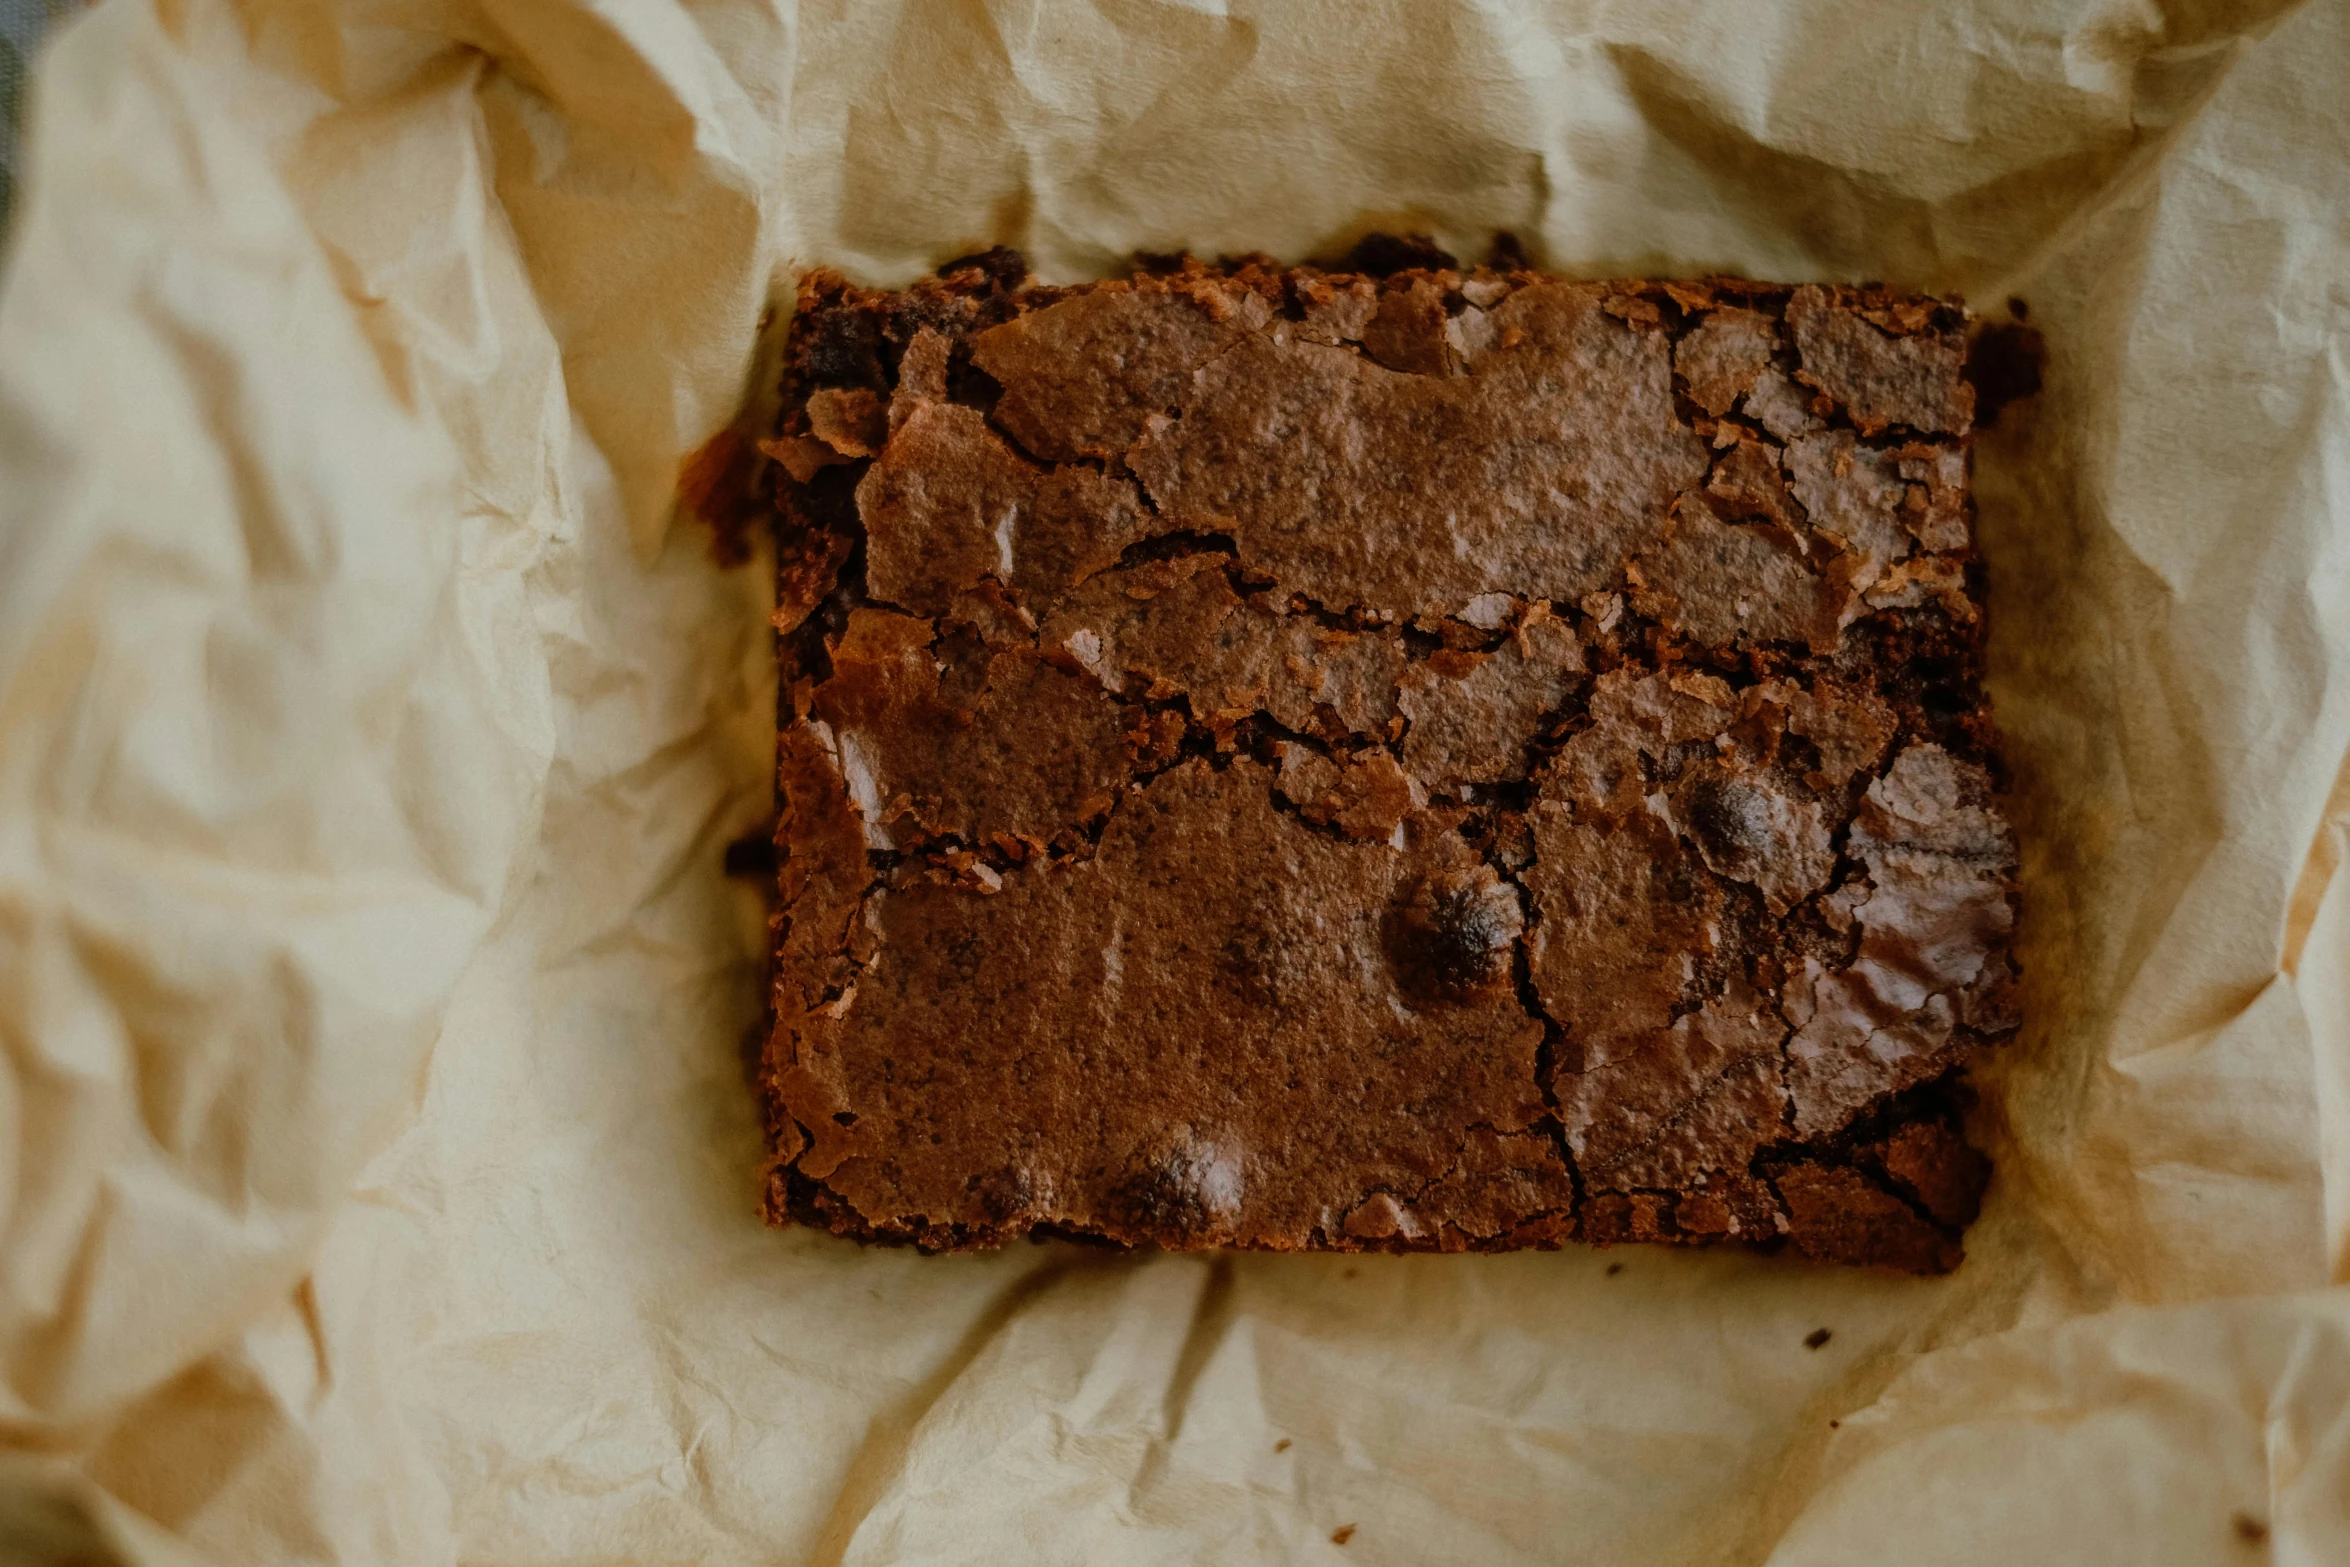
(1300,758)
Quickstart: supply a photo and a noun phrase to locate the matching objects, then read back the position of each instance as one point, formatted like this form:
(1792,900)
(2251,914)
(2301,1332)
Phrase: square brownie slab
(1300,759)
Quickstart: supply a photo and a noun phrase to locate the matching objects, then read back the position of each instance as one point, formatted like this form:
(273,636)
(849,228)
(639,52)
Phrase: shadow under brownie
(1308,759)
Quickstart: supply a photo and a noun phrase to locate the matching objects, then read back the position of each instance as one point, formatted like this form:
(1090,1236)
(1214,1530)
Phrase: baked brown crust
(1301,759)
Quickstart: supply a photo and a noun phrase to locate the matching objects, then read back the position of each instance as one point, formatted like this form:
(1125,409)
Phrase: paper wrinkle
(375,1164)
(210,882)
(2319,933)
(2228,1426)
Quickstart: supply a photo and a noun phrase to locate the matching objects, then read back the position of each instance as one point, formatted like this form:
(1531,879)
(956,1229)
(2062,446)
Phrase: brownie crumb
(1343,1533)
(2004,364)
(1001,265)
(752,856)
(1379,758)
(1816,1337)
(1508,253)
(1384,255)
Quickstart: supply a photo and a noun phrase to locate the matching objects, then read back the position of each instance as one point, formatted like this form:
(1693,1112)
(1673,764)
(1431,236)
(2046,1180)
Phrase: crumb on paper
(1346,1531)
(1816,1337)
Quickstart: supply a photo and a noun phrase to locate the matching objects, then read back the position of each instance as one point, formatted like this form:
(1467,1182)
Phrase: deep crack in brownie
(1394,758)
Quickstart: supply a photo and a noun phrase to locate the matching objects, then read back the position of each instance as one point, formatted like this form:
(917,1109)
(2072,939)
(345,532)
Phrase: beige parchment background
(375,1171)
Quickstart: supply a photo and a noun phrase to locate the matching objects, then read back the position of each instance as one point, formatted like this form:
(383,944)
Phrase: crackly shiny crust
(1302,759)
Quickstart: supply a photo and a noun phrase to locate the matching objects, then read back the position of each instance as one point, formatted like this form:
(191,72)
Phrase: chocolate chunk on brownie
(1399,758)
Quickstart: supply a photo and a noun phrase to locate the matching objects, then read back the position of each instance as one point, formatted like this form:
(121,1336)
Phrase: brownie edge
(1295,758)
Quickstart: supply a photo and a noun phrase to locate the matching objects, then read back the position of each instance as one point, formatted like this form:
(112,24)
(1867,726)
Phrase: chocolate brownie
(1384,757)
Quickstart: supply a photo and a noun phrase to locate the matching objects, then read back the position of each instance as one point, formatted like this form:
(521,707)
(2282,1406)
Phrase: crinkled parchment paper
(376,1175)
